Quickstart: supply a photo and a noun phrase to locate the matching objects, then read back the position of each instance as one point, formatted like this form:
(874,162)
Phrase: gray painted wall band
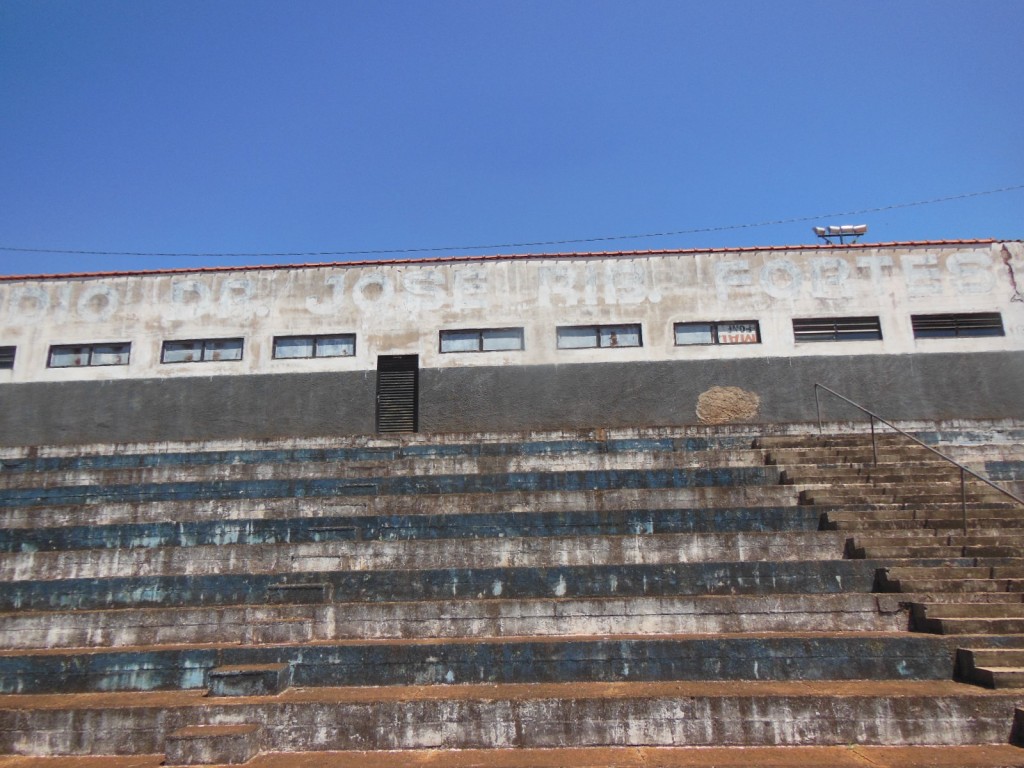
(764,390)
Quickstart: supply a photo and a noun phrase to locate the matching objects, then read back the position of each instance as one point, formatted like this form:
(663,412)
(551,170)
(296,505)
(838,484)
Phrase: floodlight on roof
(841,232)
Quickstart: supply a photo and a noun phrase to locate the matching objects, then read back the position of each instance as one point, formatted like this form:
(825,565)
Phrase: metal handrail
(874,450)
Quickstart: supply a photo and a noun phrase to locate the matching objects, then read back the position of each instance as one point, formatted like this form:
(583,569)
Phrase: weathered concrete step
(999,677)
(254,625)
(819,440)
(791,577)
(229,670)
(835,496)
(949,515)
(641,499)
(907,552)
(965,586)
(468,525)
(854,456)
(925,544)
(846,756)
(897,573)
(990,554)
(372,469)
(213,744)
(1009,609)
(387,486)
(972,626)
(424,554)
(252,679)
(976,536)
(946,526)
(342,450)
(866,475)
(991,667)
(524,716)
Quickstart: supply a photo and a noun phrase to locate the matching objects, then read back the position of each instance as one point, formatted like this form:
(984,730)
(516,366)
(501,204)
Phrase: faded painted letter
(556,287)
(470,288)
(97,303)
(781,279)
(333,305)
(371,289)
(424,289)
(627,283)
(828,278)
(921,273)
(971,272)
(29,301)
(731,274)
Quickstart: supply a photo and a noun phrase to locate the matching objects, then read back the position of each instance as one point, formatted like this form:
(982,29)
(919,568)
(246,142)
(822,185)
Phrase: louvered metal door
(397,393)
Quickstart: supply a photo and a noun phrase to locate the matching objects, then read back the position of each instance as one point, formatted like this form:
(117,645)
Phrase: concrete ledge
(531,716)
(250,679)
(495,618)
(512,552)
(212,745)
(846,756)
(705,578)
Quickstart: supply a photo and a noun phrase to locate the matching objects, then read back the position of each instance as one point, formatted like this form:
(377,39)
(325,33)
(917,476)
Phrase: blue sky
(308,126)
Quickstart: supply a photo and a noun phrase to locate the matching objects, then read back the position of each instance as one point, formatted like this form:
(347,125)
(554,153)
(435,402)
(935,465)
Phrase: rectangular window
(836,329)
(732,332)
(589,336)
(201,350)
(331,345)
(7,358)
(482,340)
(80,355)
(952,326)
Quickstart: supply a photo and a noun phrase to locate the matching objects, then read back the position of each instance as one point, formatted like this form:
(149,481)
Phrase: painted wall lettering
(97,302)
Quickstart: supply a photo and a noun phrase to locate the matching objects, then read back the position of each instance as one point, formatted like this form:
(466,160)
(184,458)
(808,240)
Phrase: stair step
(972,626)
(212,745)
(953,585)
(845,756)
(757,714)
(1001,610)
(249,679)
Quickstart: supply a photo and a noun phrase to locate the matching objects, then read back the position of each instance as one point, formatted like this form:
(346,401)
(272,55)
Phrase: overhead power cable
(532,244)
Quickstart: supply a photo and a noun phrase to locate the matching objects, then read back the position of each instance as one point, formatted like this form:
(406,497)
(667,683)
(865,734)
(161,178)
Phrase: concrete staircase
(650,596)
(960,564)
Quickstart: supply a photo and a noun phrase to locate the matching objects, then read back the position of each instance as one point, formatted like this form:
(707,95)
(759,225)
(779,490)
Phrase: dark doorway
(397,393)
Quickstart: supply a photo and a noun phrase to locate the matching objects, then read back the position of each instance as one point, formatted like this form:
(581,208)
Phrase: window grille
(967,324)
(836,329)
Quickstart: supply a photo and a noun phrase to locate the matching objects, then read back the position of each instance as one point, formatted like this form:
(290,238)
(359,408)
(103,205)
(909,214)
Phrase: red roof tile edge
(503,257)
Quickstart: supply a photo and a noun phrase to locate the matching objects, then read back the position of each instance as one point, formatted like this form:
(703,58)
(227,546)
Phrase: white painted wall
(398,308)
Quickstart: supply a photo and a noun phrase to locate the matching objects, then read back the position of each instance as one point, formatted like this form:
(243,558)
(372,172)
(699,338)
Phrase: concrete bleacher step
(410,467)
(231,670)
(777,713)
(444,525)
(993,618)
(496,618)
(844,756)
(869,475)
(517,552)
(384,484)
(592,581)
(212,744)
(704,499)
(248,679)
(991,667)
(888,495)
